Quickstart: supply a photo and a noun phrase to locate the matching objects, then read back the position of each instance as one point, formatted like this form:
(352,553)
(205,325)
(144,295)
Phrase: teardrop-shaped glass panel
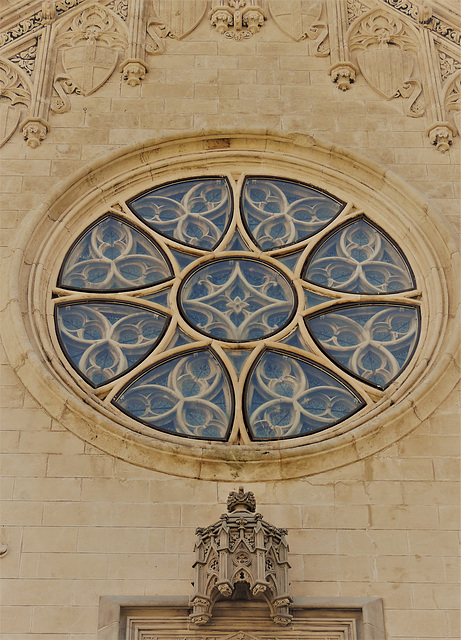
(288,396)
(113,256)
(373,342)
(359,258)
(103,340)
(189,395)
(278,213)
(193,212)
(237,243)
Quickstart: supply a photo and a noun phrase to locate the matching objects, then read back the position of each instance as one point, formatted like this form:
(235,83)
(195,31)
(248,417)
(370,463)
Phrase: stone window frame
(47,233)
(127,617)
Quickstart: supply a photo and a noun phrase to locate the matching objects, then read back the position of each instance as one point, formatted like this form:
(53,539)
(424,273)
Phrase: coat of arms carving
(177,18)
(301,20)
(14,97)
(90,49)
(386,55)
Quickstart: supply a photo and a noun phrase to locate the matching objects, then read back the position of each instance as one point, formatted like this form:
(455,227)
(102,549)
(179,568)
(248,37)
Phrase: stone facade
(362,97)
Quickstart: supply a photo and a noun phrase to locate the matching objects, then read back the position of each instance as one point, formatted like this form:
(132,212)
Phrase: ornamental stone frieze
(241,557)
(66,47)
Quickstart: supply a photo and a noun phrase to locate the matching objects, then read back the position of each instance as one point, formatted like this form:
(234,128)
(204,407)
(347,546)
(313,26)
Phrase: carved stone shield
(295,17)
(386,68)
(89,65)
(180,16)
(9,119)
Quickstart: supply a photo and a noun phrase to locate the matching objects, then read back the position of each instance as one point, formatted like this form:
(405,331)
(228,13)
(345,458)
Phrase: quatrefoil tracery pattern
(207,320)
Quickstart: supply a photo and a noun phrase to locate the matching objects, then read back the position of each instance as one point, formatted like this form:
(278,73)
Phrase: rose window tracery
(259,310)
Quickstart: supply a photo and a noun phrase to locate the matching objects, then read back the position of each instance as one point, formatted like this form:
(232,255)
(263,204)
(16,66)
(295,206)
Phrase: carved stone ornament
(343,74)
(386,55)
(300,19)
(237,19)
(90,50)
(34,131)
(441,135)
(177,18)
(15,96)
(3,549)
(241,557)
(453,99)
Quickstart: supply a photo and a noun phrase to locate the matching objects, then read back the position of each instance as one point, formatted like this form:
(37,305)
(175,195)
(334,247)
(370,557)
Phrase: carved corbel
(241,556)
(342,71)
(34,131)
(441,135)
(135,67)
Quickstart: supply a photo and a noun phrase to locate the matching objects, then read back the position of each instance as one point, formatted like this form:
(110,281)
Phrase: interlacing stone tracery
(203,319)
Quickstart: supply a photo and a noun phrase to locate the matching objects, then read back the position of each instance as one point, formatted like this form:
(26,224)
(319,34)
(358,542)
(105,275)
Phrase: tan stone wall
(79,523)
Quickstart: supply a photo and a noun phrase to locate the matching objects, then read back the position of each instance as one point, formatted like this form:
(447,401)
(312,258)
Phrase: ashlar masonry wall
(79,523)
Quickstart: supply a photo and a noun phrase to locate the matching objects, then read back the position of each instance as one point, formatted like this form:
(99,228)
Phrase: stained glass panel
(113,256)
(373,342)
(278,213)
(289,396)
(193,212)
(359,258)
(103,340)
(189,395)
(237,300)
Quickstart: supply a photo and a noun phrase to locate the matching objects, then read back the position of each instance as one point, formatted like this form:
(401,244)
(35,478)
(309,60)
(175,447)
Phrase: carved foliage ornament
(301,20)
(237,19)
(386,55)
(90,50)
(14,97)
(241,557)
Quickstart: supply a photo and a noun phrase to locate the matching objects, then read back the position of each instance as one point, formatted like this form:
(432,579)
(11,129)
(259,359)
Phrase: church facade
(229,317)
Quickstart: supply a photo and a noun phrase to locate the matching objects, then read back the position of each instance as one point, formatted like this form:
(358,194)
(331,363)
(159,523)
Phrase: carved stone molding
(452,99)
(237,19)
(15,98)
(134,68)
(386,52)
(302,21)
(241,557)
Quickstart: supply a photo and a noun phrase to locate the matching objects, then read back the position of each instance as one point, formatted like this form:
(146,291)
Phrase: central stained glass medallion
(213,311)
(237,300)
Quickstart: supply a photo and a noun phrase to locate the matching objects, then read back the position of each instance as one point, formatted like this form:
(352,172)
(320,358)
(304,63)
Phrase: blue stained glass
(359,258)
(373,342)
(238,358)
(237,300)
(189,395)
(237,243)
(183,259)
(103,340)
(295,339)
(288,396)
(113,256)
(291,260)
(193,212)
(278,213)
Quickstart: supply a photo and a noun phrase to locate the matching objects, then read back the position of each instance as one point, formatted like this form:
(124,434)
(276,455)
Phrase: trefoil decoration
(237,19)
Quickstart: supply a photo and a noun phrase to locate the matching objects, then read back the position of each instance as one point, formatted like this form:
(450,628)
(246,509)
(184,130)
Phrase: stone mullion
(342,71)
(35,127)
(135,67)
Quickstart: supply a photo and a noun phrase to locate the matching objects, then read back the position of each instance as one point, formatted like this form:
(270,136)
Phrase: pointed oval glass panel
(189,395)
(278,213)
(373,342)
(104,340)
(193,212)
(359,258)
(288,396)
(237,300)
(113,255)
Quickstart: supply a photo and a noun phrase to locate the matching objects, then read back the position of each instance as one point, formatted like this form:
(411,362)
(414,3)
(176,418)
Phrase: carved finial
(241,500)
